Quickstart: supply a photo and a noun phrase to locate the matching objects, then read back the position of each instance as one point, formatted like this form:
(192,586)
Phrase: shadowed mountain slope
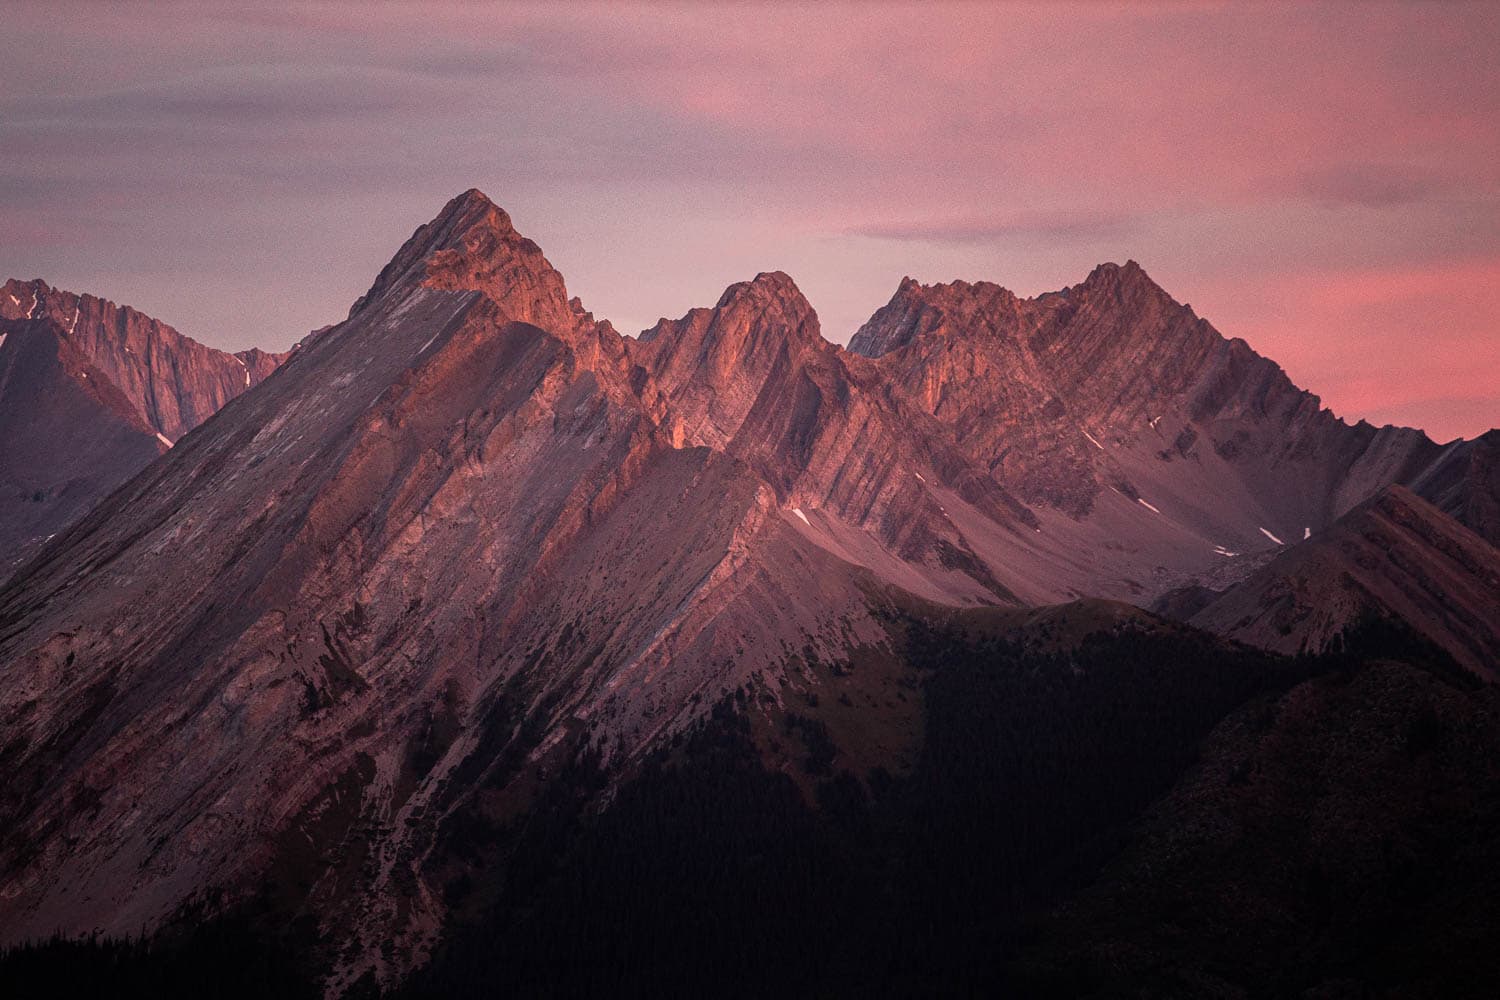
(1394,556)
(68,436)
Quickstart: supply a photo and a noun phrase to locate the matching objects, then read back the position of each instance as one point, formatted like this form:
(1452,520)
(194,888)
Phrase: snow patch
(428,344)
(1221,550)
(1153,422)
(1093,439)
(15,300)
(31,313)
(163,439)
(1306,534)
(74,324)
(2,340)
(1146,505)
(919,477)
(1272,537)
(798,512)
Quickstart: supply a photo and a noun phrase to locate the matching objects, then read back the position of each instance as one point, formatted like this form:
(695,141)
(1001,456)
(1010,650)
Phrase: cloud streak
(1019,227)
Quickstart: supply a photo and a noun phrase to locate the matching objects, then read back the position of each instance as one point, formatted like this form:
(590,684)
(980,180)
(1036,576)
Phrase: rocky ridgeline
(471,531)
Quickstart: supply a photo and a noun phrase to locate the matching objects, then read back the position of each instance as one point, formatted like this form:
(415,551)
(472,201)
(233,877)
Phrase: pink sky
(1322,181)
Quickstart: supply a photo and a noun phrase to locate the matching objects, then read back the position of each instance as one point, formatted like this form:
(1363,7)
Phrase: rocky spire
(472,246)
(958,308)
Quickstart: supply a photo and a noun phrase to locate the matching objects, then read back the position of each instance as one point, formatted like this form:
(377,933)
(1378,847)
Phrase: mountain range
(332,634)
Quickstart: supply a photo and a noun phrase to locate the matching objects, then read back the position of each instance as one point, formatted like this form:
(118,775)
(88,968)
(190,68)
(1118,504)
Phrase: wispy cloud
(1370,185)
(1021,226)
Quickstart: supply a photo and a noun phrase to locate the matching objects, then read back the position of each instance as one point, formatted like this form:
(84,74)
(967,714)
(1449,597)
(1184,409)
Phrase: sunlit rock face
(1110,384)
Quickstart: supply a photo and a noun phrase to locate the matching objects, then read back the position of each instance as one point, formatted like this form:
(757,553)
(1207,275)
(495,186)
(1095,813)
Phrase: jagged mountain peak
(465,220)
(962,308)
(1130,270)
(103,389)
(772,282)
(463,217)
(751,319)
(1129,276)
(471,530)
(713,363)
(174,381)
(472,246)
(957,293)
(475,200)
(774,295)
(955,308)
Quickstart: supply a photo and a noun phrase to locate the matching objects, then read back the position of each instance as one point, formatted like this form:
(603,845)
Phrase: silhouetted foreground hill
(1093,802)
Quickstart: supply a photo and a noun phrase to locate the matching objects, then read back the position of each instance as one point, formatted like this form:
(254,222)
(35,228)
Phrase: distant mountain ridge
(90,393)
(175,382)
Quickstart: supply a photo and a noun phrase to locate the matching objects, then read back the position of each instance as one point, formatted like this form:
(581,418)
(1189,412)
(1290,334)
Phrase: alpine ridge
(1110,384)
(472,543)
